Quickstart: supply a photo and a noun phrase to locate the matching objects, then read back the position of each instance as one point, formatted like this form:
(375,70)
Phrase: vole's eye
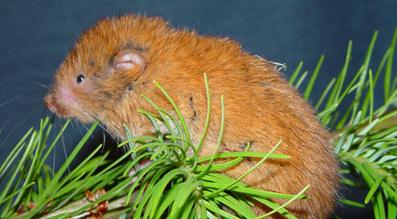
(80,78)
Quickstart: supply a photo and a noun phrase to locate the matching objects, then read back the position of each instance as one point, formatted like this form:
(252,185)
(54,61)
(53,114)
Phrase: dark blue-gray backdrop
(36,35)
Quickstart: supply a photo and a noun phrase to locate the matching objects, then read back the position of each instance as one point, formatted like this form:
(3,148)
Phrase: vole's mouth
(55,107)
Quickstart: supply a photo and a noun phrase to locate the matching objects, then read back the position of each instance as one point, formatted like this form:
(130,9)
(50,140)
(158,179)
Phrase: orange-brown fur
(260,106)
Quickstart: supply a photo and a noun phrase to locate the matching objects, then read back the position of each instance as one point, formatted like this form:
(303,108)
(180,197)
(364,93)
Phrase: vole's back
(260,108)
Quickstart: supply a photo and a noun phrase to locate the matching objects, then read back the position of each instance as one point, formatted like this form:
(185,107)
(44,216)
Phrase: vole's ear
(128,59)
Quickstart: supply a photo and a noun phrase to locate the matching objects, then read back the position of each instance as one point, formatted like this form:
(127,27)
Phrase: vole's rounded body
(118,59)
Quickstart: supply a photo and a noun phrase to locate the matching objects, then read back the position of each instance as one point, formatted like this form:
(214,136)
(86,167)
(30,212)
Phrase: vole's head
(102,67)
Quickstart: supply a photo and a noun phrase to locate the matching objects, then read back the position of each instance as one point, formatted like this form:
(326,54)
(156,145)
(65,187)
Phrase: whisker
(9,100)
(53,161)
(16,127)
(82,125)
(104,141)
(57,126)
(65,152)
(32,82)
(96,118)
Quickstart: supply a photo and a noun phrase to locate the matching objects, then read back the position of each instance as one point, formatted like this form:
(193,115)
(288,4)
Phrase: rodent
(114,62)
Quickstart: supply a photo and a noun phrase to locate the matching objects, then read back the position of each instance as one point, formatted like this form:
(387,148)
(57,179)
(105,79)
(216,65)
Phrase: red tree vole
(115,62)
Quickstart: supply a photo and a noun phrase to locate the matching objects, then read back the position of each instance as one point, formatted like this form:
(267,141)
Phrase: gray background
(35,36)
